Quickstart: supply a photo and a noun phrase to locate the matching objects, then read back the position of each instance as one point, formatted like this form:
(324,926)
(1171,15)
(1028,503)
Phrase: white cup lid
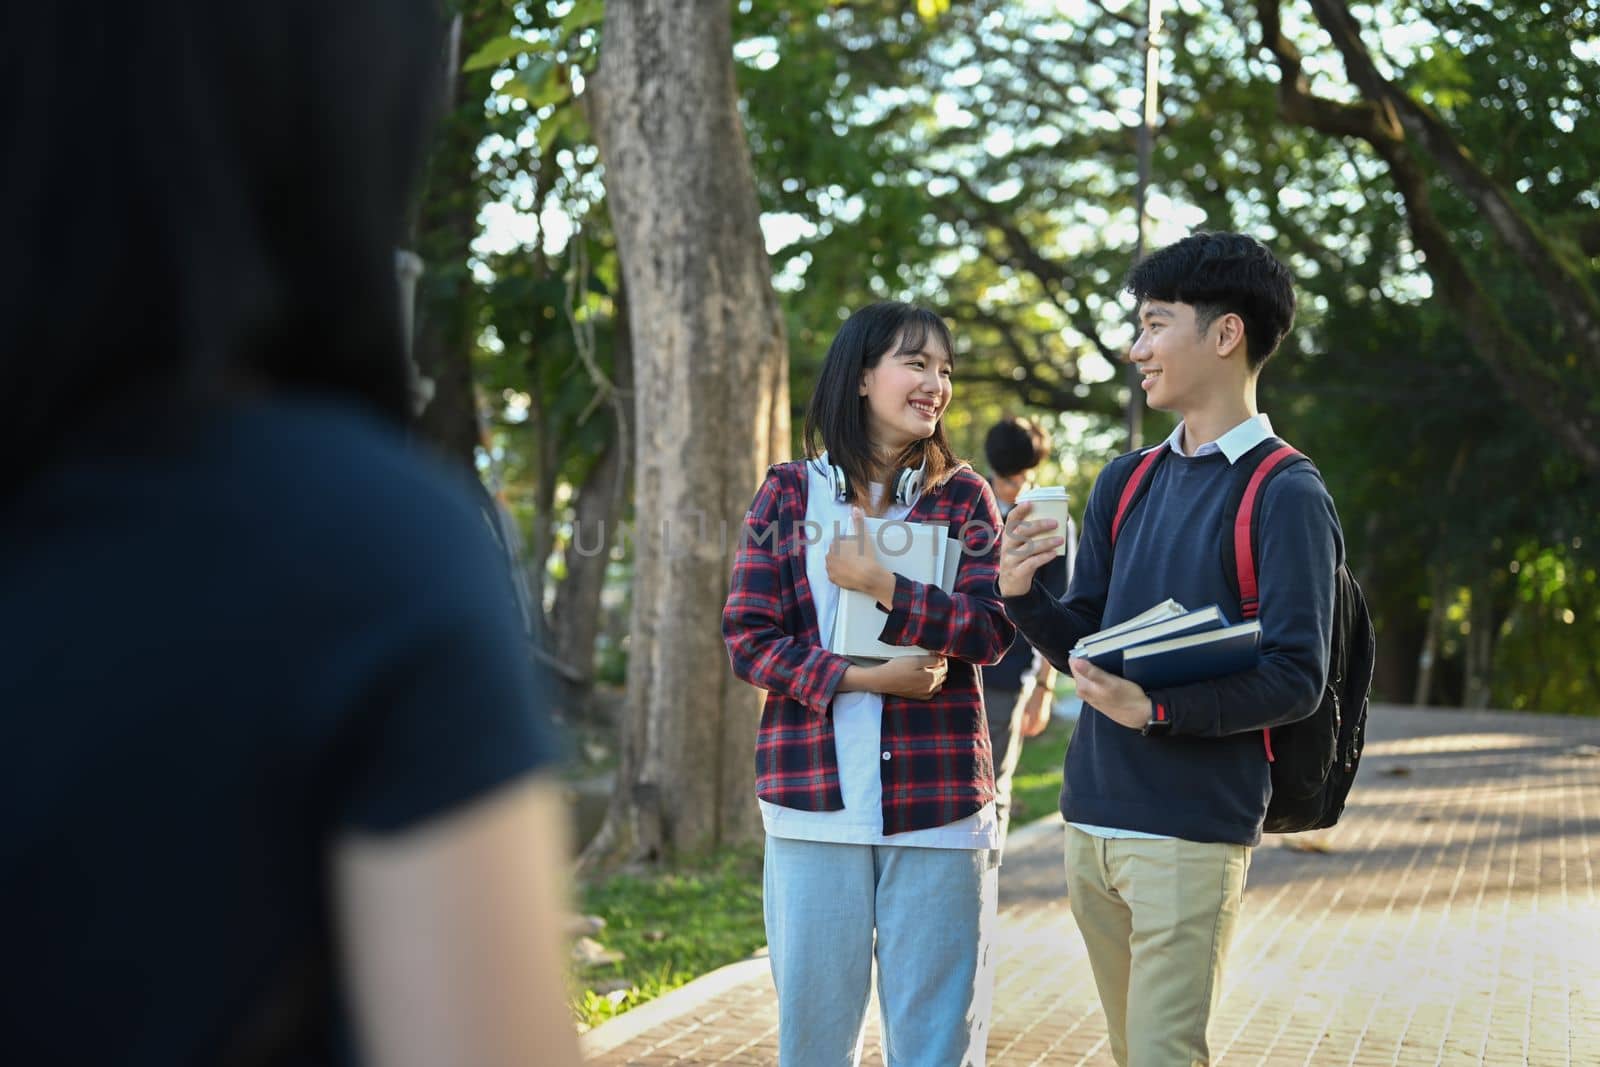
(1043,492)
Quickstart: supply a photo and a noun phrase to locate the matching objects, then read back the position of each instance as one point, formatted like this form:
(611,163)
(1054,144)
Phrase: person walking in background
(276,776)
(1018,691)
(876,783)
(1165,792)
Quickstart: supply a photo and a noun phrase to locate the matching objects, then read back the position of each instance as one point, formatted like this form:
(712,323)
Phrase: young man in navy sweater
(1165,791)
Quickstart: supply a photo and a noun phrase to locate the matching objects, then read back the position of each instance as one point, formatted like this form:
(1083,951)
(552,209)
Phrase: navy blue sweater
(1207,780)
(1008,674)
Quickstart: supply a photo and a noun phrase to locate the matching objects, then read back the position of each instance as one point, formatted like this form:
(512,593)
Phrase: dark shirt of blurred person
(1018,691)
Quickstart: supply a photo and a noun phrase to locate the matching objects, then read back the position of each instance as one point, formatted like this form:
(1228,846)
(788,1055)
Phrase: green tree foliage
(980,157)
(999,172)
(518,310)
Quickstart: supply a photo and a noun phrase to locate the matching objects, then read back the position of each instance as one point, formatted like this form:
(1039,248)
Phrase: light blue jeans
(933,910)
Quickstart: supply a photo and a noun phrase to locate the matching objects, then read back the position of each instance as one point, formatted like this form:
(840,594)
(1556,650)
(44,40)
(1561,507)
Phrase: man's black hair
(1218,273)
(1012,446)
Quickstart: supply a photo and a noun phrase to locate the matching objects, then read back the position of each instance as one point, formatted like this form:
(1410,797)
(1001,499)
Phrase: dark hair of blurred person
(270,777)
(1013,448)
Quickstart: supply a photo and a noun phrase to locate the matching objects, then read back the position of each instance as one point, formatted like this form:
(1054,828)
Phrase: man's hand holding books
(1121,701)
(1164,646)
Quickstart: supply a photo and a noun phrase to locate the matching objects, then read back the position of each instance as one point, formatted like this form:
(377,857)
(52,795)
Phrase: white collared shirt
(1233,444)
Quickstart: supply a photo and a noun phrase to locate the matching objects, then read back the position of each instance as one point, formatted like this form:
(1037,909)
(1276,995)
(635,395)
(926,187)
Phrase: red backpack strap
(1134,488)
(1244,546)
(1244,549)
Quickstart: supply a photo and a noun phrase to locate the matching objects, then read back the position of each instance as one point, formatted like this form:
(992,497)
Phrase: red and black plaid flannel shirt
(939,767)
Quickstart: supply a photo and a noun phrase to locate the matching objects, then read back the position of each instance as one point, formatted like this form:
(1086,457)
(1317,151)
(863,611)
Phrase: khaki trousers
(1157,917)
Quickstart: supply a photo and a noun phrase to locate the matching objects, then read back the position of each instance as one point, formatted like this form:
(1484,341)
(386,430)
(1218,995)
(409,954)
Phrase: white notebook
(920,551)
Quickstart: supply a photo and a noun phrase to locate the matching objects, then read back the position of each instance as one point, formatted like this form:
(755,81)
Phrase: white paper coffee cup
(1049,502)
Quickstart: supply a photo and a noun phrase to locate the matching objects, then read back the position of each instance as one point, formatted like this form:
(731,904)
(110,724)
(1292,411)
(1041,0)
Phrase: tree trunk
(545,474)
(598,509)
(710,365)
(1428,656)
(1400,636)
(1478,648)
(1439,587)
(447,300)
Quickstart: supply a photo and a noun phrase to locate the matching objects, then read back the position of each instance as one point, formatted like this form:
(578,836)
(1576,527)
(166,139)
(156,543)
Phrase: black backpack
(1314,760)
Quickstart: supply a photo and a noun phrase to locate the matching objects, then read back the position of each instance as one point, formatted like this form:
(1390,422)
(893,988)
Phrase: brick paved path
(1453,918)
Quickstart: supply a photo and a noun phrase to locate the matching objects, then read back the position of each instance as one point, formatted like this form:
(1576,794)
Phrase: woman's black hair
(203,198)
(838,412)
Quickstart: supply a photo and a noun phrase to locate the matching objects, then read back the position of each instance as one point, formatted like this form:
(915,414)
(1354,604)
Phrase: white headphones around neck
(907,484)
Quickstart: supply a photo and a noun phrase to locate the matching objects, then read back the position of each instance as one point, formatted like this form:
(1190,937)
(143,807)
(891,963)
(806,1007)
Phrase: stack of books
(922,551)
(1170,645)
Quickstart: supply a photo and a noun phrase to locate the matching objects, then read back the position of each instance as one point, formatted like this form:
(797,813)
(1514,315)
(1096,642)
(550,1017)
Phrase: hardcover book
(1107,652)
(1167,609)
(1194,657)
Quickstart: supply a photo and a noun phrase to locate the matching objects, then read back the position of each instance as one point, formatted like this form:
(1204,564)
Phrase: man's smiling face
(1175,356)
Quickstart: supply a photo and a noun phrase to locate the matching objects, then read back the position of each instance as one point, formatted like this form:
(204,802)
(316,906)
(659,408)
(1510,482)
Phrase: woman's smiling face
(906,394)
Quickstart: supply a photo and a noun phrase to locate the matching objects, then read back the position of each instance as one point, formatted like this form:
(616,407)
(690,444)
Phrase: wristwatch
(1158,725)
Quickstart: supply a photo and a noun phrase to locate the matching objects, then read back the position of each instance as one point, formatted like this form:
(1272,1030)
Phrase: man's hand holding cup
(1026,544)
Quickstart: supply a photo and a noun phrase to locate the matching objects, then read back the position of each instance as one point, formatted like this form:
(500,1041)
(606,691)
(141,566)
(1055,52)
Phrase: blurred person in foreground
(271,763)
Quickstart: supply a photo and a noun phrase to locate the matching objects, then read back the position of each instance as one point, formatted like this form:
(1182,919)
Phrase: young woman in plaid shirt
(876,782)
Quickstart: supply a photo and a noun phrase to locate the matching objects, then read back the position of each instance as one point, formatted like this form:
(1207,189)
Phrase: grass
(1036,787)
(675,926)
(672,927)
